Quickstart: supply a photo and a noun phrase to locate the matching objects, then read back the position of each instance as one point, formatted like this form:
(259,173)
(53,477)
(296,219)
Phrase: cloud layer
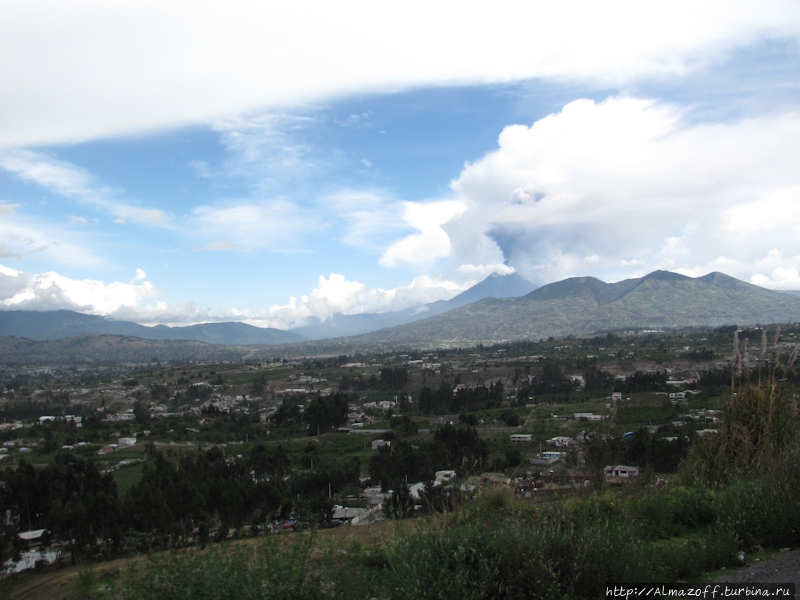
(603,187)
(128,301)
(51,291)
(77,184)
(133,66)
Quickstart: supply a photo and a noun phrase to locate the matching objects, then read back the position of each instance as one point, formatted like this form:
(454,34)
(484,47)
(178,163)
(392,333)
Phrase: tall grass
(764,511)
(489,550)
(301,570)
(758,425)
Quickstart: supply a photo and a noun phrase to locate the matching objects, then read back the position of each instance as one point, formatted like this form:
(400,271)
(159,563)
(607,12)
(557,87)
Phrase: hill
(61,324)
(106,349)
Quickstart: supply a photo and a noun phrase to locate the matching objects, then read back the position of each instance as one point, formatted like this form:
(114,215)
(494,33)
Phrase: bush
(263,572)
(674,510)
(758,424)
(764,511)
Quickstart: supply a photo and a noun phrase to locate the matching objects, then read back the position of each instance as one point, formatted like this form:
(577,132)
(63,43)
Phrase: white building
(621,471)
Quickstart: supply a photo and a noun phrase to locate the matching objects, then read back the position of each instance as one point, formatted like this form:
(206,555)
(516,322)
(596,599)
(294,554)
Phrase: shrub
(758,423)
(263,572)
(674,510)
(765,510)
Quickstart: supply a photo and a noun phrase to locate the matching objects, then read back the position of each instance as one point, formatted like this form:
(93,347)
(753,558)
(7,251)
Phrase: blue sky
(171,163)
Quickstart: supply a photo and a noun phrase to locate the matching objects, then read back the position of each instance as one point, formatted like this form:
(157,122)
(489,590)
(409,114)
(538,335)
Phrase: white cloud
(635,262)
(202,169)
(425,289)
(777,210)
(483,271)
(6,252)
(337,295)
(432,242)
(76,220)
(332,295)
(121,301)
(127,301)
(360,119)
(264,147)
(71,181)
(368,217)
(8,209)
(588,188)
(131,66)
(182,313)
(21,237)
(780,279)
(273,225)
(217,246)
(51,291)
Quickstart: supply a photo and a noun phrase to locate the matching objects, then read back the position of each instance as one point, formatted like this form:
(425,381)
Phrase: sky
(171,162)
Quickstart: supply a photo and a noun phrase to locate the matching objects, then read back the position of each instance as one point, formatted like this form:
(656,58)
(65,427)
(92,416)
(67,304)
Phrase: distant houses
(34,553)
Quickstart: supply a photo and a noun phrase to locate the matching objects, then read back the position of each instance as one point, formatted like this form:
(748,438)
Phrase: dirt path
(784,568)
(59,584)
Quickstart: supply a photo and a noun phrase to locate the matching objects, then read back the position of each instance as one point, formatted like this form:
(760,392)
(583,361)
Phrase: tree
(466,452)
(403,426)
(400,504)
(426,401)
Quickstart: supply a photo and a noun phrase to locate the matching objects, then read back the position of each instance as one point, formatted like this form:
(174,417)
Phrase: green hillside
(585,305)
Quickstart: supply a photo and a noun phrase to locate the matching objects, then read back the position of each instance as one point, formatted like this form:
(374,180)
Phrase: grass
(494,547)
(127,477)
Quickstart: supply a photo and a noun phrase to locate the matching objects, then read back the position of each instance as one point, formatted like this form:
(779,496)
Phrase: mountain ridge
(582,306)
(61,324)
(578,306)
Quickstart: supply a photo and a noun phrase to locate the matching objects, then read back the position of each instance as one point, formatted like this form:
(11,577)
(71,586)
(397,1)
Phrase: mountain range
(576,306)
(60,324)
(494,286)
(582,306)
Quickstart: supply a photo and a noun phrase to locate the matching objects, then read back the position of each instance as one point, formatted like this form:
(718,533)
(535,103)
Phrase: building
(445,476)
(34,553)
(521,438)
(621,471)
(561,441)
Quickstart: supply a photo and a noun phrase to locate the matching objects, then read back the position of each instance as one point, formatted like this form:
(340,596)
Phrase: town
(155,455)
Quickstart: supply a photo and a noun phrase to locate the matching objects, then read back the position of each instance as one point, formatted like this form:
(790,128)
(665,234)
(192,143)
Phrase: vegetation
(285,465)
